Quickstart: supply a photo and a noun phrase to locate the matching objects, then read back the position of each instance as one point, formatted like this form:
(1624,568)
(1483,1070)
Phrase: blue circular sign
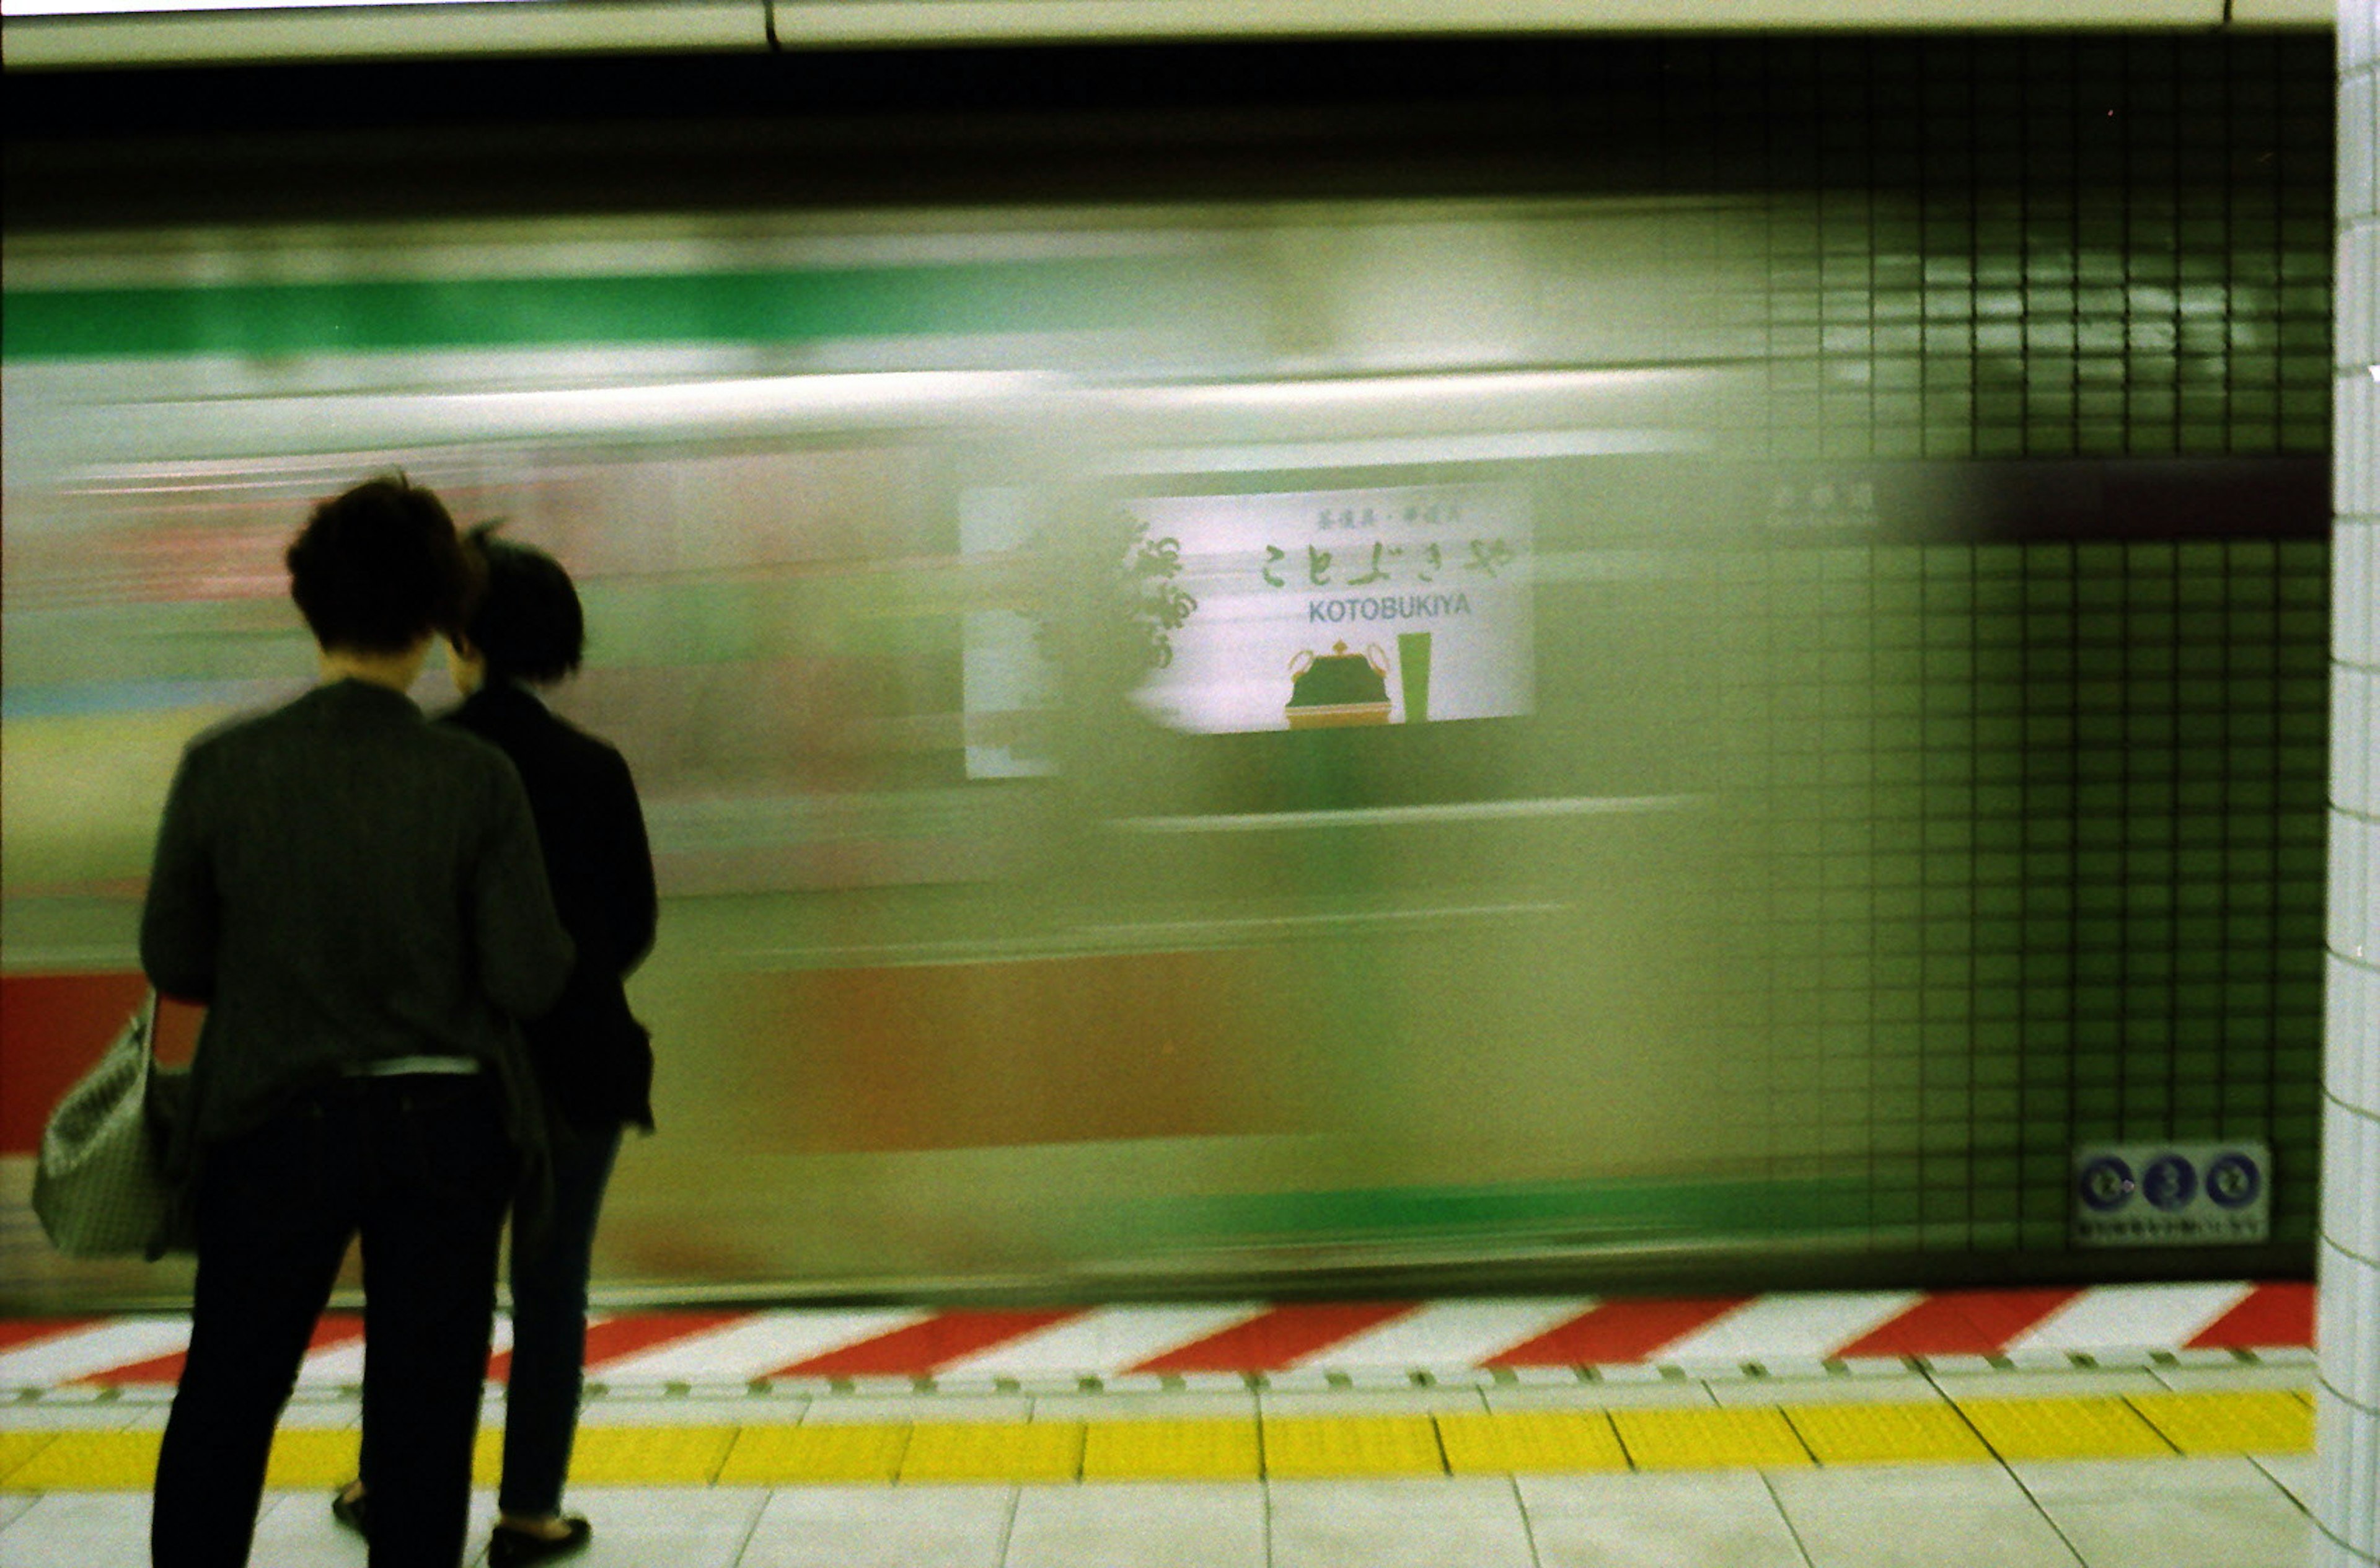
(2106,1183)
(2235,1181)
(2170,1181)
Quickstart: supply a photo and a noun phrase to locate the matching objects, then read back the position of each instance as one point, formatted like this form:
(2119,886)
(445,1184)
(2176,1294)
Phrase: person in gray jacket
(358,897)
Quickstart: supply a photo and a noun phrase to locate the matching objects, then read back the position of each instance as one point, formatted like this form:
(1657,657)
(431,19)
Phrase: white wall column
(2347,1490)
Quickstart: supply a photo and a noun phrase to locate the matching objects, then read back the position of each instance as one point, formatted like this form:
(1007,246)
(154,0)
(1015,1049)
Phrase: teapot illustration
(1330,690)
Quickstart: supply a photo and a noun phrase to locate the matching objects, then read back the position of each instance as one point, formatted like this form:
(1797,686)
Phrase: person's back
(359,897)
(591,1055)
(349,909)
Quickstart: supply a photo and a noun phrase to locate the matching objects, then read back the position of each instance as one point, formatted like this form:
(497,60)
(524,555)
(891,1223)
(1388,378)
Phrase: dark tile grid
(2048,247)
(2053,807)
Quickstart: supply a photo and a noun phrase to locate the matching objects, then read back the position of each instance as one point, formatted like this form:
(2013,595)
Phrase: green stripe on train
(758,307)
(1582,1211)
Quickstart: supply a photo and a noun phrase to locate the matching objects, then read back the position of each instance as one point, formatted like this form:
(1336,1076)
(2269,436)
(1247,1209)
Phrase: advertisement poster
(1326,608)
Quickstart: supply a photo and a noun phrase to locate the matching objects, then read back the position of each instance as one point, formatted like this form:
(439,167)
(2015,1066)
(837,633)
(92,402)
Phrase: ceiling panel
(102,32)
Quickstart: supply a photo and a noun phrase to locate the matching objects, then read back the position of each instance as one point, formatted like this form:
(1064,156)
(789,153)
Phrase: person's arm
(181,917)
(524,953)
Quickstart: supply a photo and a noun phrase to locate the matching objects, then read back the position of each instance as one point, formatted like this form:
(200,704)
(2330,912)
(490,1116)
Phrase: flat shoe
(349,1510)
(509,1548)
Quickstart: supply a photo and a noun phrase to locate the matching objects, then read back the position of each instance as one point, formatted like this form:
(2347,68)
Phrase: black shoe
(509,1548)
(348,1510)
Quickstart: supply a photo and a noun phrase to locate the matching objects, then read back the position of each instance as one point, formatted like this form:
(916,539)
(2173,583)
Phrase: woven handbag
(100,1188)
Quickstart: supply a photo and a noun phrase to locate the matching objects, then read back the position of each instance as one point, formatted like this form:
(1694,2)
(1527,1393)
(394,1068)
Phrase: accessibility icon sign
(2171,1194)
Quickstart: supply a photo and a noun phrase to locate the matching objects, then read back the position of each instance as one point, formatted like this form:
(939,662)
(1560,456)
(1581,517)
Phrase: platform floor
(2169,1454)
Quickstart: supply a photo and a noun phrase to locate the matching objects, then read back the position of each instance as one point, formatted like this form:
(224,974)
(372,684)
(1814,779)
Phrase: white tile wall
(2346,1500)
(2359,33)
(2355,435)
(2350,1150)
(2347,1456)
(2350,1329)
(2354,564)
(2355,871)
(2350,1069)
(2356,193)
(2353,342)
(2353,693)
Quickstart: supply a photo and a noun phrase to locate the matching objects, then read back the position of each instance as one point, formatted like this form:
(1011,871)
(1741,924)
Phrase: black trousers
(551,1258)
(420,1166)
(553,1245)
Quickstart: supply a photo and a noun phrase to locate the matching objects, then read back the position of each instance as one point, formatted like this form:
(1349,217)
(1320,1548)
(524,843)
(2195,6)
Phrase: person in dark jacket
(358,897)
(592,1058)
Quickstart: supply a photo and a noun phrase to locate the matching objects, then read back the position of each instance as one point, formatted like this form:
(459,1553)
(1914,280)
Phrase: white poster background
(1284,576)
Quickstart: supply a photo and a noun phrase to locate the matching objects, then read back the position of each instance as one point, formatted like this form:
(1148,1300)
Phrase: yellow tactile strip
(1700,1437)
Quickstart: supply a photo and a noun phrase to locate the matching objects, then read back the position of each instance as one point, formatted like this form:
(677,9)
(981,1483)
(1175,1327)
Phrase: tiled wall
(2347,1499)
(2078,823)
(2044,246)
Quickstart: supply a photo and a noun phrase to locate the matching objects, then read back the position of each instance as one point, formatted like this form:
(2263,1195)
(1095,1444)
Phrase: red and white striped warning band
(1358,1338)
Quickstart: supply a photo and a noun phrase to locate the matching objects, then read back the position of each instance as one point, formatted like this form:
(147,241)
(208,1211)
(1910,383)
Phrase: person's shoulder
(249,729)
(584,741)
(527,715)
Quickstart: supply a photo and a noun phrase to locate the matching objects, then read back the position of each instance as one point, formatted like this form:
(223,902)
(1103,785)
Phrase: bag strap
(149,1024)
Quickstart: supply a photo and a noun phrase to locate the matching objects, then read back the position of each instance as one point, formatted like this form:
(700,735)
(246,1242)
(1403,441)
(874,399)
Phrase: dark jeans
(422,1167)
(549,1274)
(550,1256)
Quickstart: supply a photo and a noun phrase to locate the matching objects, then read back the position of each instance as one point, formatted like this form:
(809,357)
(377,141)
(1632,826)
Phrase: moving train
(1284,741)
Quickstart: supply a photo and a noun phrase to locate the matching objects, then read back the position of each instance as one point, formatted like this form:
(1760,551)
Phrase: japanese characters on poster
(1323,608)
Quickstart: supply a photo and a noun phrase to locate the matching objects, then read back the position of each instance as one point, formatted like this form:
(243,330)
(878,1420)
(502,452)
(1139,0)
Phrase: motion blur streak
(1180,744)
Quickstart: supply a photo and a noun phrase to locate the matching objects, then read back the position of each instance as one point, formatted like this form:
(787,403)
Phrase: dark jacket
(594,1058)
(342,881)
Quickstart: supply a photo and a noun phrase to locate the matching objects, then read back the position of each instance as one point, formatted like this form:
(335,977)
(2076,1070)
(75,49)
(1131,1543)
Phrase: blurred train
(1189,745)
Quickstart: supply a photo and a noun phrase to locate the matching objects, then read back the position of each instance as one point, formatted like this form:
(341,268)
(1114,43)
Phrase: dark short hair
(526,623)
(378,568)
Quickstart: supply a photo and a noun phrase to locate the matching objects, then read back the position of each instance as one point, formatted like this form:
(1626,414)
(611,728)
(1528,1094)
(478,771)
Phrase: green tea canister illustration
(1329,690)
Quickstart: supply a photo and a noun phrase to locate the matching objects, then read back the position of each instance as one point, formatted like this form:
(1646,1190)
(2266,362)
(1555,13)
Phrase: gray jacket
(342,881)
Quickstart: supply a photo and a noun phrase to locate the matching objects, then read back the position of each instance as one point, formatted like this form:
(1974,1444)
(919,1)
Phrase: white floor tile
(2050,1385)
(664,1526)
(1184,1406)
(54,1417)
(11,1505)
(1470,1522)
(2171,1513)
(881,1527)
(1723,1519)
(1684,1394)
(1136,1525)
(87,1529)
(295,1529)
(1946,1517)
(1907,1389)
(2294,1472)
(2096,1480)
(2235,1378)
